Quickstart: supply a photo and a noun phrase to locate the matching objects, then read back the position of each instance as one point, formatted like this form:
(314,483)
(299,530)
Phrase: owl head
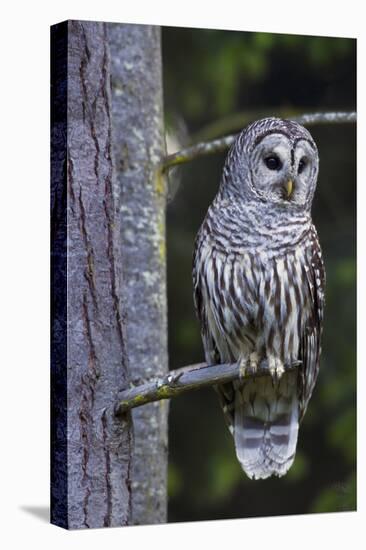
(274,161)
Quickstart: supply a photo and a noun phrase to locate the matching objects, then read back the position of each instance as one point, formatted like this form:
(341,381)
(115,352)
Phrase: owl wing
(211,352)
(310,347)
(210,337)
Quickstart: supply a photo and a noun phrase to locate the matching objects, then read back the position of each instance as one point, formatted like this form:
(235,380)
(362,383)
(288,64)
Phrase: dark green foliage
(213,73)
(208,76)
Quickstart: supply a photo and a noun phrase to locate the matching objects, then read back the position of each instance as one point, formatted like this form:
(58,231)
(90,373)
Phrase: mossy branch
(185,379)
(222,144)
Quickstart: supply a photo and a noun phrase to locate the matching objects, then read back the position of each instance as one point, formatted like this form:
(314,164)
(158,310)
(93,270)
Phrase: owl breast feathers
(258,280)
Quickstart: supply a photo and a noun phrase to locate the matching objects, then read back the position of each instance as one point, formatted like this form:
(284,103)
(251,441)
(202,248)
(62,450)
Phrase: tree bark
(91,447)
(139,148)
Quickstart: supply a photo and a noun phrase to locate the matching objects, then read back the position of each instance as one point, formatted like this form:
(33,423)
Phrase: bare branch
(221,144)
(314,119)
(198,150)
(234,122)
(185,379)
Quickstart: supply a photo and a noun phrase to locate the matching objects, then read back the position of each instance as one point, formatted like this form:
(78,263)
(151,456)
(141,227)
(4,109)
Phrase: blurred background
(215,82)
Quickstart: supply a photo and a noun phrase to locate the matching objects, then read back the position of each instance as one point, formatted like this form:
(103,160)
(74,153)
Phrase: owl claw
(248,366)
(276,368)
(254,362)
(243,368)
(280,370)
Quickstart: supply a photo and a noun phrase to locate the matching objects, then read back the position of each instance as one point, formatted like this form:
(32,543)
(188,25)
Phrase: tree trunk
(91,448)
(139,147)
(108,274)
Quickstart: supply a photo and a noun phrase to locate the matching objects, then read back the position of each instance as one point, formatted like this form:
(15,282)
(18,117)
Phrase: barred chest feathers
(257,300)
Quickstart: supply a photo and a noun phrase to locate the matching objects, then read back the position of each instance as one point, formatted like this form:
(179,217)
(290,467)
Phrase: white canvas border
(25,270)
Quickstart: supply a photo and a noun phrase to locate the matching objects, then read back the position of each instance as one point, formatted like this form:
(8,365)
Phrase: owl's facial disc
(282,170)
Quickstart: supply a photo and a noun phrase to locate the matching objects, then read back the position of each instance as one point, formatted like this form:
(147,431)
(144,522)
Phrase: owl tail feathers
(265,448)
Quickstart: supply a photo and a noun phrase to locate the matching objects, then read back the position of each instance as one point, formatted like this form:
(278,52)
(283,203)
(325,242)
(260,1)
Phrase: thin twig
(234,122)
(177,382)
(221,144)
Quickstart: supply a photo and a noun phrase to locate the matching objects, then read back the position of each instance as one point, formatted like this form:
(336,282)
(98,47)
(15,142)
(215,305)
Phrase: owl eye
(273,162)
(301,166)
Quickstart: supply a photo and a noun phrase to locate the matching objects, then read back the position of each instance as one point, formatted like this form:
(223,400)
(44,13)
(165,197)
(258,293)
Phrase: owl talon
(254,362)
(249,366)
(276,369)
(272,366)
(280,370)
(243,368)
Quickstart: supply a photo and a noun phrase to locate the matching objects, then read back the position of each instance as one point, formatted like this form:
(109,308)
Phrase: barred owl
(258,281)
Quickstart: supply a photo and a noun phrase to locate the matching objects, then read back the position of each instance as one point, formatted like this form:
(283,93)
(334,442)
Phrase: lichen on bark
(138,136)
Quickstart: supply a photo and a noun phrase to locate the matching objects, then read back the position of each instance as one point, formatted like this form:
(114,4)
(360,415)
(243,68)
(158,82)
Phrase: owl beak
(289,187)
